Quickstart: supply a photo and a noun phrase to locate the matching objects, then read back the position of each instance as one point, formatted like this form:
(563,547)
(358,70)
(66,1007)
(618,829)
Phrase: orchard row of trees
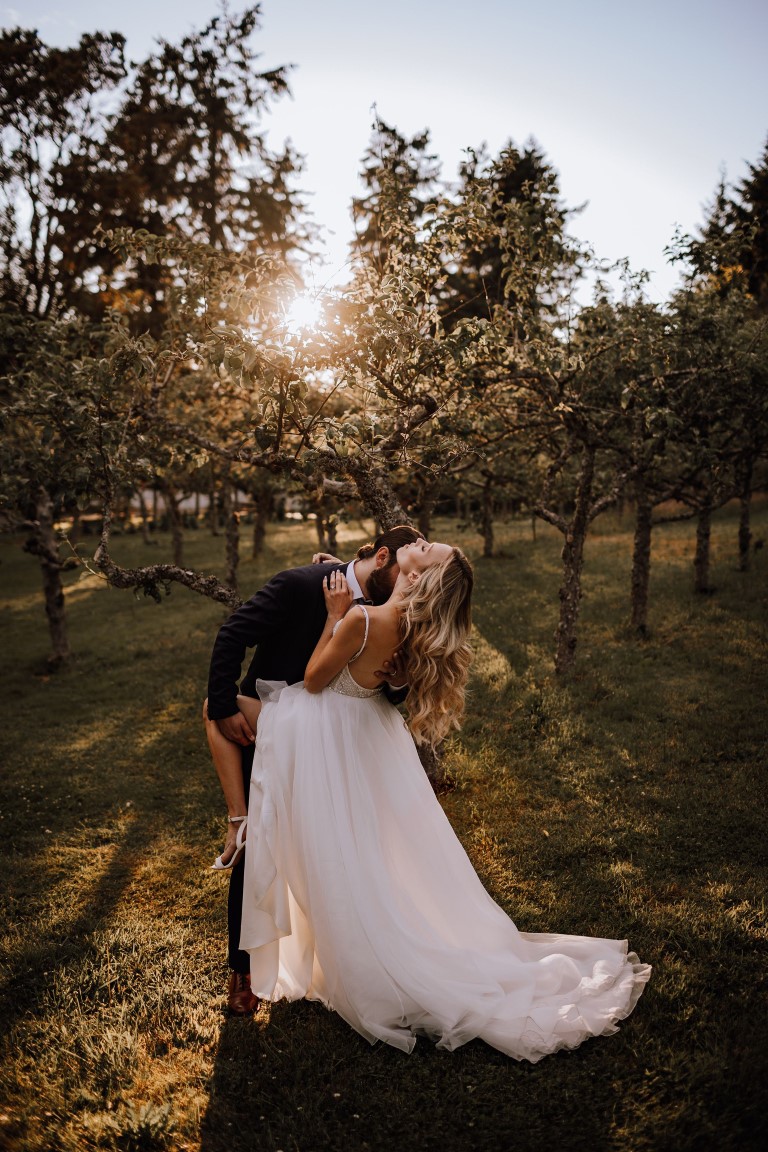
(150,248)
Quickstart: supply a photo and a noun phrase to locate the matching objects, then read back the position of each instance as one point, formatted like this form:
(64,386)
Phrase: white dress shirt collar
(353,582)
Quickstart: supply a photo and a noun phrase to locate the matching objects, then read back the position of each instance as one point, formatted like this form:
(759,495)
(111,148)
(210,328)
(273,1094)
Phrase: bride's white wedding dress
(359,894)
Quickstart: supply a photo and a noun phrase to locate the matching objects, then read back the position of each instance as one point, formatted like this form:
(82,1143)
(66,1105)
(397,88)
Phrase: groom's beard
(381,582)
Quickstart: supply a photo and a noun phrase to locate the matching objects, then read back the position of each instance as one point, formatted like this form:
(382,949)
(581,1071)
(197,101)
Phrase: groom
(283,622)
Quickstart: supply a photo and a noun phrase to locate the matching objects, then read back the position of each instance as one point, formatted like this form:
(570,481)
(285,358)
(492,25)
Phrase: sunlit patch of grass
(624,803)
(488,664)
(87,583)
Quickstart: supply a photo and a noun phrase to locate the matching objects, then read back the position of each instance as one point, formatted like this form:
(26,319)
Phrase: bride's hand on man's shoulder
(325,558)
(338,597)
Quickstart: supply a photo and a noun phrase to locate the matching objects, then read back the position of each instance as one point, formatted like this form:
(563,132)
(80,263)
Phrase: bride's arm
(334,650)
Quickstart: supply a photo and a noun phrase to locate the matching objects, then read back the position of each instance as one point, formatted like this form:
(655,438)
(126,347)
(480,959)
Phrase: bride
(357,891)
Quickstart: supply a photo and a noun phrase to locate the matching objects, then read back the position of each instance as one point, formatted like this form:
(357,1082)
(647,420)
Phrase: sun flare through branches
(304,311)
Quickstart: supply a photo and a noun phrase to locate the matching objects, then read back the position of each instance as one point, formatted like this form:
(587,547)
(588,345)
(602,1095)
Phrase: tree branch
(154,577)
(551,517)
(612,496)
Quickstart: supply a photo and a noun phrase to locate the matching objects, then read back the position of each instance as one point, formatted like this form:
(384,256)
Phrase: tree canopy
(151,244)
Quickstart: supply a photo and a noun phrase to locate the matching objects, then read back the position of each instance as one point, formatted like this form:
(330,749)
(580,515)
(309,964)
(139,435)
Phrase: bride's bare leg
(227,760)
(250,708)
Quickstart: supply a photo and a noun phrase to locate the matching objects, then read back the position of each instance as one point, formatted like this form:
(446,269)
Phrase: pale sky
(638,106)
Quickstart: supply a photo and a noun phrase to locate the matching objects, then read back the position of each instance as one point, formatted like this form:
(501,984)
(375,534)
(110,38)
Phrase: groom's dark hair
(392,539)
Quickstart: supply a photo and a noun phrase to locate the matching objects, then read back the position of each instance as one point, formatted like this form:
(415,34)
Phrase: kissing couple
(348,884)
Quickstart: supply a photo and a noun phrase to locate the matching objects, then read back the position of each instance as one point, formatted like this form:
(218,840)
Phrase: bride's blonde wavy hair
(436,624)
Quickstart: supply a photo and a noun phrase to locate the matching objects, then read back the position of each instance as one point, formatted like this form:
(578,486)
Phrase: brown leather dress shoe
(240,1000)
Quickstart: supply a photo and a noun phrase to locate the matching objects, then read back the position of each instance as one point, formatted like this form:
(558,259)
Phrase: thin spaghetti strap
(361,649)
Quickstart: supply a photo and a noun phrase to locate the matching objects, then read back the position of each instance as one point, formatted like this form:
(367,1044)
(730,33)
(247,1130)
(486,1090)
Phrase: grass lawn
(627,803)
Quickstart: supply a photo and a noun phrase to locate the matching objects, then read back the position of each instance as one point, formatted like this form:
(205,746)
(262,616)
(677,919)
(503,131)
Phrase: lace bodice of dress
(343,681)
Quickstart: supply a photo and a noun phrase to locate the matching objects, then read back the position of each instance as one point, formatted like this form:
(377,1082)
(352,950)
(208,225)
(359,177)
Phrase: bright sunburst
(303,312)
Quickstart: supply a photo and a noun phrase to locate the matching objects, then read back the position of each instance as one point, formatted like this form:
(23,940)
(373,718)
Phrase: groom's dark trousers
(283,622)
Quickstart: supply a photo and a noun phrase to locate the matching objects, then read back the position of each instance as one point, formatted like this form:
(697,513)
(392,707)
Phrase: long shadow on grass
(115,807)
(69,939)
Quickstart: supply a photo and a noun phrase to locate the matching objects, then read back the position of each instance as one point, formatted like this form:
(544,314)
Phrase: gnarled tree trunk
(213,509)
(231,535)
(703,546)
(745,529)
(145,536)
(573,559)
(641,561)
(332,532)
(320,525)
(377,494)
(174,522)
(327,525)
(177,533)
(427,498)
(486,521)
(45,545)
(262,511)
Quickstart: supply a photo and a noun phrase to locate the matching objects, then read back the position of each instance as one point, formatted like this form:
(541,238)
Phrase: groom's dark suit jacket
(283,622)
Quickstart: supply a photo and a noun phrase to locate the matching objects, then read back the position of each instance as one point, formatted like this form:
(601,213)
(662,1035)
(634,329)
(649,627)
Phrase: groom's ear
(382,557)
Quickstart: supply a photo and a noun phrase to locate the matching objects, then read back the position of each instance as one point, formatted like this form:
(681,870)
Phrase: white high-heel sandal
(218,864)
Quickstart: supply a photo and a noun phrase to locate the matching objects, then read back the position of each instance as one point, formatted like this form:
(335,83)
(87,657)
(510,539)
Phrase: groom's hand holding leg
(237,729)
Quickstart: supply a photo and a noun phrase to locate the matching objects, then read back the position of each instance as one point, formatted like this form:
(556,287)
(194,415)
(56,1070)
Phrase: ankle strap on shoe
(236,819)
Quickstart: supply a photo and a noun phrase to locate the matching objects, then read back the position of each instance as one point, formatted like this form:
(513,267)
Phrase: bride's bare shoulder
(385,621)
